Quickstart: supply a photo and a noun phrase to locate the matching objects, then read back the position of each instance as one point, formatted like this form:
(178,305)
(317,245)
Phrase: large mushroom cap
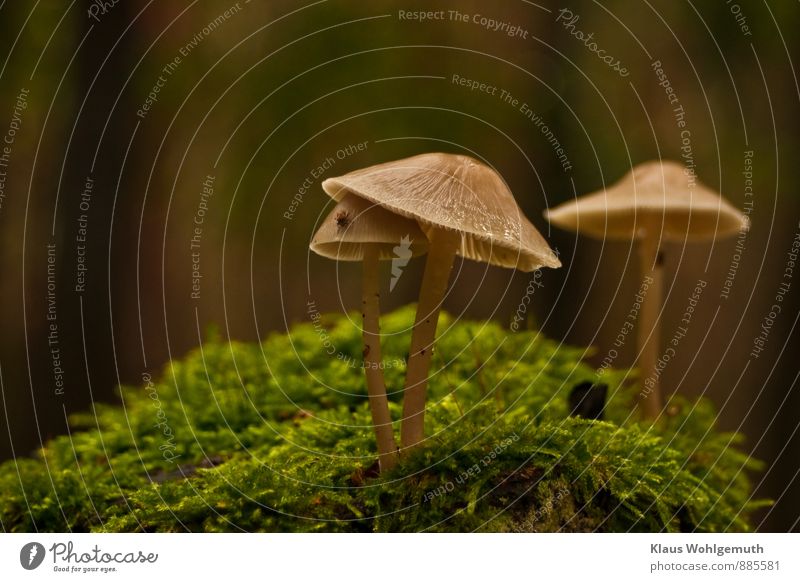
(662,192)
(355,222)
(457,193)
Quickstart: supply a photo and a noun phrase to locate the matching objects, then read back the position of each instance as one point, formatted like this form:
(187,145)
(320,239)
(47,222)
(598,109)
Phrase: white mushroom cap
(457,193)
(664,193)
(355,222)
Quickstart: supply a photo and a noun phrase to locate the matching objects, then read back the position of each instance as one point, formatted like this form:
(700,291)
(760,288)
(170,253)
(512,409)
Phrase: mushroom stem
(649,333)
(376,385)
(443,245)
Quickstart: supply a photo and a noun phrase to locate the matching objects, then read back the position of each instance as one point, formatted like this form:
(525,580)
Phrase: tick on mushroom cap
(464,208)
(356,224)
(655,201)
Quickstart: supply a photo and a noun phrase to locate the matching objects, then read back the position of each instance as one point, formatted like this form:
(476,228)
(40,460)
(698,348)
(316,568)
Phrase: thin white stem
(373,369)
(649,332)
(443,245)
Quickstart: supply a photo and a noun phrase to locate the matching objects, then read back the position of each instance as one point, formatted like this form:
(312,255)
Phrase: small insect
(342,219)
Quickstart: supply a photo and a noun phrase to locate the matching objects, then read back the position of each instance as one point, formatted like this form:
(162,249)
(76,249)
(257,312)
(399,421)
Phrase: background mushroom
(653,202)
(464,208)
(359,230)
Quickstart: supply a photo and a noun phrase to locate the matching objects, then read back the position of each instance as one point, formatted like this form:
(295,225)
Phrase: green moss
(277,437)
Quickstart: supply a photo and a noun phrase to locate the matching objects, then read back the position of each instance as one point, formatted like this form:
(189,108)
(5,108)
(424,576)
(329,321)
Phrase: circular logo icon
(31,555)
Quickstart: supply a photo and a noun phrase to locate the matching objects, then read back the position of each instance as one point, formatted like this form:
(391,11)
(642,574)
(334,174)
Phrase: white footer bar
(398,557)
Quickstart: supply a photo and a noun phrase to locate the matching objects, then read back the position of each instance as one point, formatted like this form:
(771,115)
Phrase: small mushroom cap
(664,193)
(355,223)
(458,193)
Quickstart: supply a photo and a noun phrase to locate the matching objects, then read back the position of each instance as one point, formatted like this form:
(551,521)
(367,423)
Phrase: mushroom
(655,201)
(359,230)
(464,208)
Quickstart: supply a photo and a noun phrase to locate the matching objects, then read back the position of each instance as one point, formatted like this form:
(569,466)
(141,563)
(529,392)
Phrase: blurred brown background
(262,93)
